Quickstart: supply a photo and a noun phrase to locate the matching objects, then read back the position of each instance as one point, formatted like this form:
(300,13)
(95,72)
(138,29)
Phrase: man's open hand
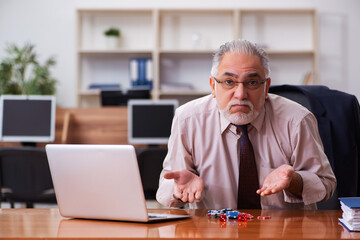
(188,186)
(278,180)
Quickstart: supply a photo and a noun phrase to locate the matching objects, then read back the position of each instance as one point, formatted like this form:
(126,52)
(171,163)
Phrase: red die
(222,217)
(242,217)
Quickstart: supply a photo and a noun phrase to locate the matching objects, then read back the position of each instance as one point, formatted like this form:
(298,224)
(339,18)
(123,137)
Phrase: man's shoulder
(281,107)
(199,106)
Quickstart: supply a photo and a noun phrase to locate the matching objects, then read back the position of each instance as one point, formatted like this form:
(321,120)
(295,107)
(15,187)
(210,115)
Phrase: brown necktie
(248,177)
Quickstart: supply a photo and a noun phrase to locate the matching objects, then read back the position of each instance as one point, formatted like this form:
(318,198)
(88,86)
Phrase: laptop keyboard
(157,216)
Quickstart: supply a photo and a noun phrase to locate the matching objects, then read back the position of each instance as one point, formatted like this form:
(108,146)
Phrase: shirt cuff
(313,190)
(165,195)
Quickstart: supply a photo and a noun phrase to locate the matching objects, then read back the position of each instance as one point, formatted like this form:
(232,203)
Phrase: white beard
(240,118)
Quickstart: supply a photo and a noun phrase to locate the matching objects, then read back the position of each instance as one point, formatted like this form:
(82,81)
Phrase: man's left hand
(277,180)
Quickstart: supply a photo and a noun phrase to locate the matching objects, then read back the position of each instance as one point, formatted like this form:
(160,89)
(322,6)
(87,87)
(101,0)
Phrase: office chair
(338,117)
(25,176)
(150,165)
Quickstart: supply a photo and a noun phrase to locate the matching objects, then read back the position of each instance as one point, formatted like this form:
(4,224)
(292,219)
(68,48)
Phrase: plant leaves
(21,73)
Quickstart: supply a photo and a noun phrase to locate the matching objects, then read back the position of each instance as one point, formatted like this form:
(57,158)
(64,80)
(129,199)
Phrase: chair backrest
(25,175)
(338,116)
(150,165)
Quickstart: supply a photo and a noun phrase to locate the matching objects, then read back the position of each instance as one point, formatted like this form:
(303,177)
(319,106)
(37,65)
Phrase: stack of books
(104,86)
(351,213)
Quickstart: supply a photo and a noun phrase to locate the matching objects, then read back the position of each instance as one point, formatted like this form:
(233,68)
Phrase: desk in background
(285,224)
(105,125)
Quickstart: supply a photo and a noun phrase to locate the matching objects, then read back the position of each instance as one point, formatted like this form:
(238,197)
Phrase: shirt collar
(258,122)
(224,123)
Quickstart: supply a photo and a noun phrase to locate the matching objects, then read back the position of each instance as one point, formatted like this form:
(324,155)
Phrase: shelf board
(190,51)
(289,52)
(196,10)
(183,92)
(96,92)
(269,51)
(114,51)
(112,10)
(89,92)
(277,11)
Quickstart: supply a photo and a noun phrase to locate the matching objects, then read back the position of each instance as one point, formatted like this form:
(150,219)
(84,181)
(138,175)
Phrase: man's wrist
(296,185)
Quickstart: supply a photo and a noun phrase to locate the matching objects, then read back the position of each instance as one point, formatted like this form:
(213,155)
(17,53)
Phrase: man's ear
(212,85)
(268,83)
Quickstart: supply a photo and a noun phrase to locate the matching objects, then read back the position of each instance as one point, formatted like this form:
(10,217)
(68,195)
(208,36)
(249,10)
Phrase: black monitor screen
(121,98)
(28,120)
(150,121)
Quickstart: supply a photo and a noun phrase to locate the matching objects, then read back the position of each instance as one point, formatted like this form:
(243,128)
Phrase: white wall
(51,26)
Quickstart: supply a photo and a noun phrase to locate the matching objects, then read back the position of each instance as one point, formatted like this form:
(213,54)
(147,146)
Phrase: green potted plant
(112,37)
(21,73)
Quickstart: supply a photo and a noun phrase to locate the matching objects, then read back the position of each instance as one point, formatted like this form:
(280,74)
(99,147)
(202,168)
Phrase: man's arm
(178,170)
(308,177)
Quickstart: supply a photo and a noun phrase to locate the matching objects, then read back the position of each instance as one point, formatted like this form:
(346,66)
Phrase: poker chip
(224,210)
(263,217)
(248,215)
(214,213)
(232,214)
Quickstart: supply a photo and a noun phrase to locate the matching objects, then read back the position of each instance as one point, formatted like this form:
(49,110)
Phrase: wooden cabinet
(181,43)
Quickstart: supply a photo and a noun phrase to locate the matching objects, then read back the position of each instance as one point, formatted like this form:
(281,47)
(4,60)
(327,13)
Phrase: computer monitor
(149,121)
(27,118)
(121,98)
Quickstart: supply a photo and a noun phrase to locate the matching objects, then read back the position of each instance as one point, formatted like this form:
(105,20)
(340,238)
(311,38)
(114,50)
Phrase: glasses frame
(236,84)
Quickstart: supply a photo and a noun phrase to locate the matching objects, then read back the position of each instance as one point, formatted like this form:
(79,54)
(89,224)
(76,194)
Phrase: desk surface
(285,224)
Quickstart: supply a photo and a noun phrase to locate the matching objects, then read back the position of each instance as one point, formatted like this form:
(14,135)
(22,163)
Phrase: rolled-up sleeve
(310,161)
(178,157)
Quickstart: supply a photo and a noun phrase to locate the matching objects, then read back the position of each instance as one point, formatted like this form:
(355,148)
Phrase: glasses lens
(230,84)
(252,84)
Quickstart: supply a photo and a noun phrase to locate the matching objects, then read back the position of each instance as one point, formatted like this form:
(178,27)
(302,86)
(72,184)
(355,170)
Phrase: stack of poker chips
(228,213)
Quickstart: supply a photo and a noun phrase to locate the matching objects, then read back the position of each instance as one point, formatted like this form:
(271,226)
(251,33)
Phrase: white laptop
(99,182)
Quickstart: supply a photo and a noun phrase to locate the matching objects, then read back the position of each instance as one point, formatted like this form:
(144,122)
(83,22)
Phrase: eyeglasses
(249,84)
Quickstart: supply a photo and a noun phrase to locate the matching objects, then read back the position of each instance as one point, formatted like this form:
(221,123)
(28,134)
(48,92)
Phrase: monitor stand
(28,144)
(153,145)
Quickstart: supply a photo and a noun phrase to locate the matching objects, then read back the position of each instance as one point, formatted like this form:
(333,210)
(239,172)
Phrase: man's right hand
(188,186)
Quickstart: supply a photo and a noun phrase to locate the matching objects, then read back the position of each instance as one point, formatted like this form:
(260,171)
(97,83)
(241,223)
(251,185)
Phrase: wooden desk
(284,224)
(105,125)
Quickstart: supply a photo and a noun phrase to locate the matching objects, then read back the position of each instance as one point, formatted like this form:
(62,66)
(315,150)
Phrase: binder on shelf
(103,86)
(141,73)
(351,213)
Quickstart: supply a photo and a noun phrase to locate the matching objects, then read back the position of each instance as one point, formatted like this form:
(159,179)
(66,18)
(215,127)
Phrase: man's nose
(240,92)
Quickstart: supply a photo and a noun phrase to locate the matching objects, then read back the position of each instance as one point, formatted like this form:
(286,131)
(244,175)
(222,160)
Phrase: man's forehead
(233,64)
(252,74)
(241,54)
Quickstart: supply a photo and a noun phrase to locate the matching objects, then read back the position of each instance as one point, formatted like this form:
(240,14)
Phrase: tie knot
(242,128)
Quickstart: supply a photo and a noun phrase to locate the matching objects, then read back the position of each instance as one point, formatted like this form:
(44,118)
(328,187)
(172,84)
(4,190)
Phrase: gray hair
(240,46)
